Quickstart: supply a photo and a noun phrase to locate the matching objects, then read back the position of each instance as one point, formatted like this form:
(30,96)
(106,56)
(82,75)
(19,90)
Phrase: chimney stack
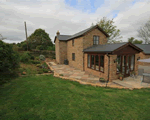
(58,33)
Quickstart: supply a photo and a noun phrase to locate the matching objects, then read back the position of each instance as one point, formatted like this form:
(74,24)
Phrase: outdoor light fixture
(115,60)
(138,58)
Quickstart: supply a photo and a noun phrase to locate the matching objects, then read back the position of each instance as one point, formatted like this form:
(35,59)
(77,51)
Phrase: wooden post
(26,34)
(99,62)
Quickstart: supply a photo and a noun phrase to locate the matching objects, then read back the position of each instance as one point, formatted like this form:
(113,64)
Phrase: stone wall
(143,56)
(88,38)
(62,51)
(113,68)
(57,50)
(94,72)
(78,50)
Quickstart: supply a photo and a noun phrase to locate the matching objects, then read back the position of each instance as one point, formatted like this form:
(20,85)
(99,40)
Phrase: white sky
(54,15)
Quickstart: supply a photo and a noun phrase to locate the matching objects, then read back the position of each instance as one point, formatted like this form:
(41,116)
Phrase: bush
(38,65)
(40,71)
(42,57)
(32,57)
(9,59)
(51,48)
(25,57)
(44,65)
(45,70)
(35,62)
(39,47)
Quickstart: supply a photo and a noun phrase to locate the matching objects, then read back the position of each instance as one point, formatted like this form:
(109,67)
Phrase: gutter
(108,69)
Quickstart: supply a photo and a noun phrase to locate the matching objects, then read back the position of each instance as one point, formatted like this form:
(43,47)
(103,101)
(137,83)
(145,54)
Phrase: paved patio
(131,82)
(67,72)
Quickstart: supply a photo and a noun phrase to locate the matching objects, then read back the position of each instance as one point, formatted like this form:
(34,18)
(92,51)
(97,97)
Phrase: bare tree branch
(144,32)
(1,37)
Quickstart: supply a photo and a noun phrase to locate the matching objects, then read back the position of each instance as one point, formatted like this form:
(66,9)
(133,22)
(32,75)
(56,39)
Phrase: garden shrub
(45,70)
(32,57)
(9,59)
(40,71)
(35,62)
(38,65)
(42,57)
(25,57)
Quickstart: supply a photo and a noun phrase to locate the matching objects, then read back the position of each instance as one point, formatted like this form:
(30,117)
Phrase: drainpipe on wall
(108,69)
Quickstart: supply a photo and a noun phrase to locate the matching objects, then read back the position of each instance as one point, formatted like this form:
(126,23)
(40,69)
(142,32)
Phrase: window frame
(95,40)
(103,63)
(99,61)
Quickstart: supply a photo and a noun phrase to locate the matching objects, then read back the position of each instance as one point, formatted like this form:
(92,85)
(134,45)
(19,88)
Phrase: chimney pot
(58,33)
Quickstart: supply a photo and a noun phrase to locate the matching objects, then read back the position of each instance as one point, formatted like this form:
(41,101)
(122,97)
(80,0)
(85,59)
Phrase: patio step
(123,84)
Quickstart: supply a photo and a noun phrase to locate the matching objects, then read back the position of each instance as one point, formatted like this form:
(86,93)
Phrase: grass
(32,69)
(29,68)
(47,97)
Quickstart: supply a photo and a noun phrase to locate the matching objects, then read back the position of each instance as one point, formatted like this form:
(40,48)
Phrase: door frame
(126,61)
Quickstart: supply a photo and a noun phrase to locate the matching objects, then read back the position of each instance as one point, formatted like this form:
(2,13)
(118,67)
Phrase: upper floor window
(95,40)
(73,42)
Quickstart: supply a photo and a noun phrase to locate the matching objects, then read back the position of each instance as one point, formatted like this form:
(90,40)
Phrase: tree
(1,37)
(9,59)
(39,38)
(114,33)
(144,32)
(134,41)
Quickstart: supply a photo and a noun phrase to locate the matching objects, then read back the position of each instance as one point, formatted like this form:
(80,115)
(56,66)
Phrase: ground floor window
(96,62)
(102,63)
(73,56)
(89,60)
(132,62)
(118,61)
(92,61)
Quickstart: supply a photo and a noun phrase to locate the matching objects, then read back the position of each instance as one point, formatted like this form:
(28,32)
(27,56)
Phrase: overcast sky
(69,16)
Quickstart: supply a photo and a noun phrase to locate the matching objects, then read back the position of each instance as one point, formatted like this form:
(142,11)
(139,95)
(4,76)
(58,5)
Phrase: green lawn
(47,97)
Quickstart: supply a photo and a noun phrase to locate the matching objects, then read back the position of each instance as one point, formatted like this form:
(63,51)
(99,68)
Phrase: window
(118,64)
(97,62)
(95,40)
(132,62)
(73,42)
(73,56)
(102,63)
(89,60)
(92,61)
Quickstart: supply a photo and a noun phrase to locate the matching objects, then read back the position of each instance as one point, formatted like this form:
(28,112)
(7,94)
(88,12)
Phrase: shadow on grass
(7,77)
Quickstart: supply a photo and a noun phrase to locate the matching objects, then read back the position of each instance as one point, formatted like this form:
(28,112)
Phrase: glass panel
(123,65)
(127,70)
(102,63)
(92,61)
(96,42)
(89,60)
(132,62)
(118,64)
(97,62)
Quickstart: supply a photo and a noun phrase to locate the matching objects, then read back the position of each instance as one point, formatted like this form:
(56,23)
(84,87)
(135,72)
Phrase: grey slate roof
(104,48)
(144,47)
(63,37)
(80,33)
(86,30)
(68,37)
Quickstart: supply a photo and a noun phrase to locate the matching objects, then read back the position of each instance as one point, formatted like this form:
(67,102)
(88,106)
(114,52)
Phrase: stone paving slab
(80,76)
(83,77)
